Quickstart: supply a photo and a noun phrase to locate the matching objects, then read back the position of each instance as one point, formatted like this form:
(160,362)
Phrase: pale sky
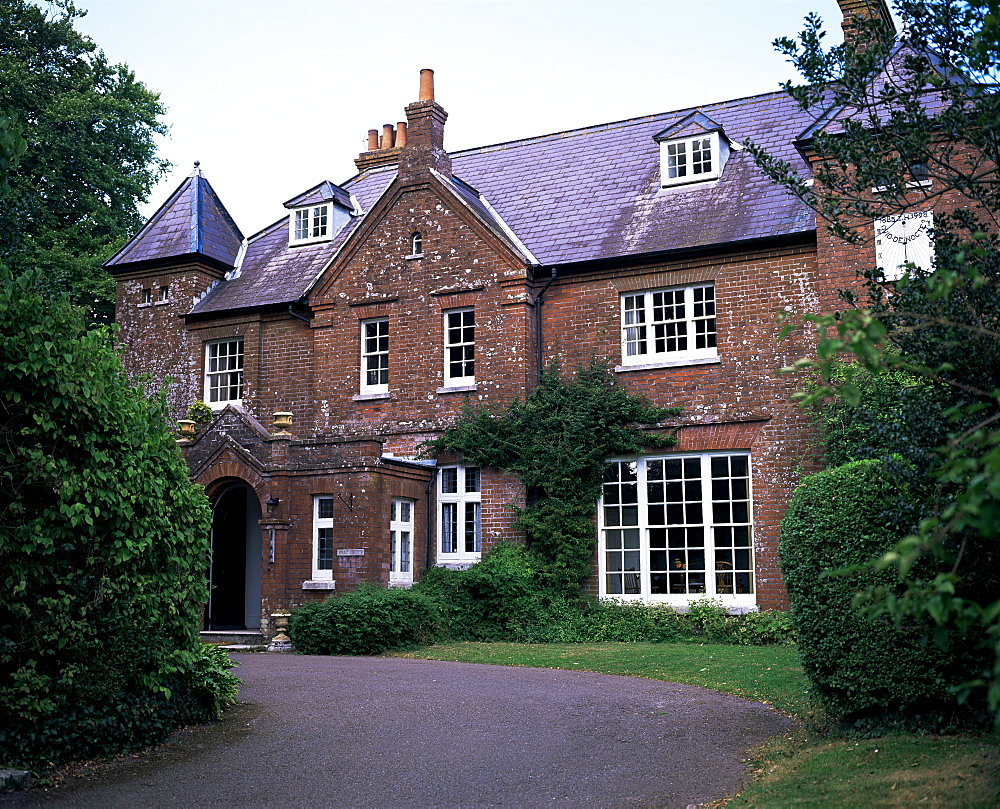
(274,96)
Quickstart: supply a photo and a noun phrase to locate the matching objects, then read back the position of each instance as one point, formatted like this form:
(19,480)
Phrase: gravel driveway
(383,732)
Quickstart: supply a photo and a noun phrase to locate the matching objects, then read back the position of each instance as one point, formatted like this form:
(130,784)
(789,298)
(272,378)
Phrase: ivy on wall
(556,441)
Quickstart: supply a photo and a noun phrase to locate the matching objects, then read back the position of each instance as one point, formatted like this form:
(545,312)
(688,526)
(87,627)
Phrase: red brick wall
(743,400)
(154,340)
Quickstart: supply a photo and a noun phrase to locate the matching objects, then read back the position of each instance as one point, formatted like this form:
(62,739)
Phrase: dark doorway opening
(234,573)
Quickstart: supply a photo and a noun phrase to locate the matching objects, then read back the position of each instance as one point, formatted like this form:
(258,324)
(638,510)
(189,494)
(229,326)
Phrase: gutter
(295,314)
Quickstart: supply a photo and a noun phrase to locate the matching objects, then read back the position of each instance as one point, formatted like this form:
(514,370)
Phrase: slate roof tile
(582,195)
(192,221)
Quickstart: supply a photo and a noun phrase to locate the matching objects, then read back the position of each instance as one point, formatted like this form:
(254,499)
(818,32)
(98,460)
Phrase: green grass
(770,674)
(802,768)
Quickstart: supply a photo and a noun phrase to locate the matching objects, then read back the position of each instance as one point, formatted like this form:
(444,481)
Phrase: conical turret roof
(193,221)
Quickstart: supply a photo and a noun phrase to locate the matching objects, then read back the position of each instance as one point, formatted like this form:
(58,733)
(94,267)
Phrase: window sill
(368,397)
(144,305)
(668,364)
(413,257)
(464,565)
(456,389)
(312,584)
(161,303)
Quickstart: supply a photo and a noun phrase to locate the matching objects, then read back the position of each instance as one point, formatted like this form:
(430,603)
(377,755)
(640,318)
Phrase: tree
(103,548)
(556,440)
(90,156)
(926,110)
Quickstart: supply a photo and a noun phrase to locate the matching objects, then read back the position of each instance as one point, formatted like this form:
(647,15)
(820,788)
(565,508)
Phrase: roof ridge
(586,130)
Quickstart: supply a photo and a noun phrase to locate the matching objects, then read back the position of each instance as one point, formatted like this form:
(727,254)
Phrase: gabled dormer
(319,214)
(693,150)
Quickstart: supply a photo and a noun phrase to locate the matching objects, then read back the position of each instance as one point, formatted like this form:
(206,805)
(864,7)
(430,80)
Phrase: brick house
(378,307)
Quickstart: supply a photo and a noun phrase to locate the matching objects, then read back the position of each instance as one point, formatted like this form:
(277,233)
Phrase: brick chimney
(863,9)
(416,144)
(424,133)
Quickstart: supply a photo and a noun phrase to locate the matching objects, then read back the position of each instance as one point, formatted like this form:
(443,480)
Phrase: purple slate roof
(582,195)
(322,192)
(595,193)
(273,273)
(894,76)
(192,220)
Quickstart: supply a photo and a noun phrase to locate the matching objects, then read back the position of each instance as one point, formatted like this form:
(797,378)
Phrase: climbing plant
(556,441)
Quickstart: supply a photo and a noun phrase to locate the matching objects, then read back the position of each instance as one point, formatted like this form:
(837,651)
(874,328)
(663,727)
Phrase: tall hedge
(864,670)
(103,548)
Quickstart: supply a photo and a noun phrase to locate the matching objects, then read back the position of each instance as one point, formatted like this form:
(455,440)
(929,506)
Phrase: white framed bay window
(674,326)
(677,528)
(459,510)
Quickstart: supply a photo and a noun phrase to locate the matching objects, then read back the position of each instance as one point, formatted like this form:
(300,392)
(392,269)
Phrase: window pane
(449,480)
(472,541)
(404,552)
(324,549)
(449,528)
(324,508)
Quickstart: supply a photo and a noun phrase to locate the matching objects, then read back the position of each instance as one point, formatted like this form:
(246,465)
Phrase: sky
(274,96)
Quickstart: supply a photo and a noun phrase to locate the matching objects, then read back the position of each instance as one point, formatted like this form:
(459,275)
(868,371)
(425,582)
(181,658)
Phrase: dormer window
(689,160)
(310,224)
(693,150)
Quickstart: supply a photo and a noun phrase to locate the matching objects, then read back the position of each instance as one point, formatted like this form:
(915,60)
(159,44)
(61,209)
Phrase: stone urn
(282,421)
(186,427)
(280,642)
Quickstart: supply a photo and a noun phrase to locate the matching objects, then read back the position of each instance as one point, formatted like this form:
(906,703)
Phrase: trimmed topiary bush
(367,621)
(864,670)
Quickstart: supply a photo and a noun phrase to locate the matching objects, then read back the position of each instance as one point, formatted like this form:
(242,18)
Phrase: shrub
(103,551)
(501,599)
(367,621)
(864,670)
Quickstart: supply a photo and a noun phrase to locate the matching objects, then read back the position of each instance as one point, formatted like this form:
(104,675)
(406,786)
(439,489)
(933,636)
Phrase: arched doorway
(234,572)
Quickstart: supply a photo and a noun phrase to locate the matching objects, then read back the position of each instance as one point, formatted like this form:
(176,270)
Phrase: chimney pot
(426,85)
(387,136)
(401,134)
(372,140)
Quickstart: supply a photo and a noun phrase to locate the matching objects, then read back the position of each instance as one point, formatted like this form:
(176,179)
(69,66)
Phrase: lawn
(803,768)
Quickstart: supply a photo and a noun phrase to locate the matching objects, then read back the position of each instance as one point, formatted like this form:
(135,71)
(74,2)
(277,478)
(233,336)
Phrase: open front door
(235,569)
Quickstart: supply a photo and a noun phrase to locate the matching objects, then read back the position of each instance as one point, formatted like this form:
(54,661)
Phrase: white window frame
(459,351)
(146,296)
(401,545)
(459,492)
(904,239)
(323,553)
(375,355)
(655,323)
(416,244)
(668,533)
(690,170)
(215,374)
(311,223)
